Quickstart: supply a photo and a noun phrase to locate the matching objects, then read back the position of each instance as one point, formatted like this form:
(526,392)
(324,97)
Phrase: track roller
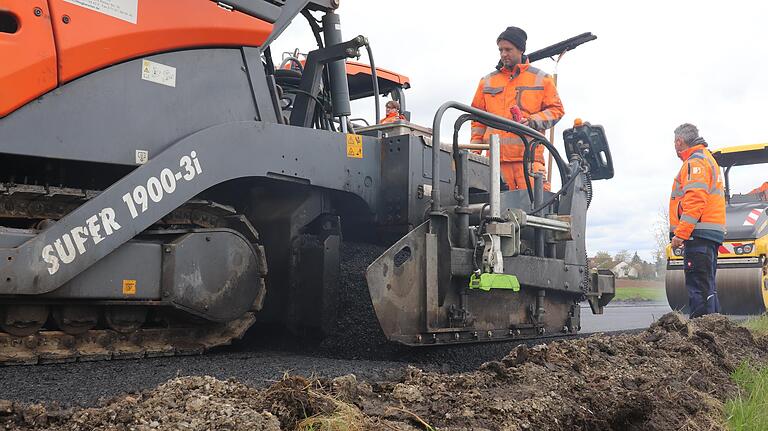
(75,319)
(125,319)
(23,320)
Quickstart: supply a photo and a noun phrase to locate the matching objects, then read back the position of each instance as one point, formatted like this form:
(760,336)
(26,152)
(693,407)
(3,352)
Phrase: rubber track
(51,346)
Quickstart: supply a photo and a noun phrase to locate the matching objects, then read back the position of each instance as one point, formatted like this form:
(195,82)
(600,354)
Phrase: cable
(269,61)
(526,172)
(319,120)
(314,25)
(297,91)
(556,195)
(375,78)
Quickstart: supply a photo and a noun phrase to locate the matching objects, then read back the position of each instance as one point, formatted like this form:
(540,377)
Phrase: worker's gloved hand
(517,114)
(678,242)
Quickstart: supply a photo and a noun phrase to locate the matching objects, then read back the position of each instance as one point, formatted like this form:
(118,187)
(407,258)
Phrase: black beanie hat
(516,36)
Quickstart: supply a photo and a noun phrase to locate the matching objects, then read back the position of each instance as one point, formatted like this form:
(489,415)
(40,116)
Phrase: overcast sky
(654,66)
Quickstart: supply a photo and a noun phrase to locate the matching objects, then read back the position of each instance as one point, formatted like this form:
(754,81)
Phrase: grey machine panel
(105,280)
(217,154)
(109,114)
(407,178)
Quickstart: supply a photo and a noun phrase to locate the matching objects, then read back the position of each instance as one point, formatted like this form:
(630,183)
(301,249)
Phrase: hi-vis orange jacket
(391,118)
(532,90)
(761,189)
(697,204)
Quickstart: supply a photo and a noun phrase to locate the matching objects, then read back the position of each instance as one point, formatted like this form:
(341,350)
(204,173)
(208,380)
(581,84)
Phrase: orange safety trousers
(514,176)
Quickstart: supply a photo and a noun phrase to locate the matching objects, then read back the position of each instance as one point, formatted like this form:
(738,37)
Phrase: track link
(53,347)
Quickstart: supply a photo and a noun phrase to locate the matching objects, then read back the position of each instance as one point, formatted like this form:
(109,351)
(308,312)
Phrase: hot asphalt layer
(89,383)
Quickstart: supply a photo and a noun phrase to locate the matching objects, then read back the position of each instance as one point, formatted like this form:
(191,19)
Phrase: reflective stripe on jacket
(528,88)
(697,204)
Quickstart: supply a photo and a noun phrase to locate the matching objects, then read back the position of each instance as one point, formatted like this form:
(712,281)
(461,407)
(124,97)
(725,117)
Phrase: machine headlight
(739,250)
(748,248)
(677,251)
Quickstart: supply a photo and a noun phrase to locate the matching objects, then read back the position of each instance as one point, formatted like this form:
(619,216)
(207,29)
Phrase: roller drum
(740,290)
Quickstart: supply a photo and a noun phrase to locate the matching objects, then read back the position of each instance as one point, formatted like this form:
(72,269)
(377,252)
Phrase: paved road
(625,316)
(622,316)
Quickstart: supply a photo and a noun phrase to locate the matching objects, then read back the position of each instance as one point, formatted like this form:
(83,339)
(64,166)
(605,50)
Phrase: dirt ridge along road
(674,375)
(88,383)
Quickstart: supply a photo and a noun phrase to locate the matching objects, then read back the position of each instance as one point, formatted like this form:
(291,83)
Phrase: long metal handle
(474,147)
(495,158)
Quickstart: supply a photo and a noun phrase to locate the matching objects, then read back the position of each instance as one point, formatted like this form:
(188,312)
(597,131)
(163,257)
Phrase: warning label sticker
(158,73)
(126,10)
(129,287)
(354,146)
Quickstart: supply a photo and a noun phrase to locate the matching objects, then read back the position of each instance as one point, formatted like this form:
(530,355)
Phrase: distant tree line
(628,265)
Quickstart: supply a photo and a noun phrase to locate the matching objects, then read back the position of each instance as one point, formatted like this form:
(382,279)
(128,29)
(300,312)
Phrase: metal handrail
(482,117)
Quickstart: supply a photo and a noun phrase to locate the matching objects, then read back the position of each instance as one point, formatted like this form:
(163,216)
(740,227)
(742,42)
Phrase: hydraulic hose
(375,78)
(562,190)
(526,174)
(460,198)
(293,60)
(588,187)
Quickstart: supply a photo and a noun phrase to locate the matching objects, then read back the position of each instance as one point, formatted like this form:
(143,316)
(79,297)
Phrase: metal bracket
(304,105)
(602,290)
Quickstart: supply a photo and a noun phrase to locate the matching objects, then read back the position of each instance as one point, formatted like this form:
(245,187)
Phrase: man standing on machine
(522,93)
(697,218)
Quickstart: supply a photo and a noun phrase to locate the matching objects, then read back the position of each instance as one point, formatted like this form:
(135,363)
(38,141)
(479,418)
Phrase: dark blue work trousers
(700,270)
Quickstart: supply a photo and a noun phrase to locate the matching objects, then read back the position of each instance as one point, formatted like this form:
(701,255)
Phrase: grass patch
(749,410)
(640,294)
(758,324)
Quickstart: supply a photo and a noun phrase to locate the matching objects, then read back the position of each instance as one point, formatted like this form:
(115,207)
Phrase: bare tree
(622,256)
(660,230)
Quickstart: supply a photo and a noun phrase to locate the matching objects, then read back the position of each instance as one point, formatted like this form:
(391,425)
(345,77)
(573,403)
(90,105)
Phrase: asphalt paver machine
(164,187)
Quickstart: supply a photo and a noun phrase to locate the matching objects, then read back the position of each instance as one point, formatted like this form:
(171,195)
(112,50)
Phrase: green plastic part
(488,281)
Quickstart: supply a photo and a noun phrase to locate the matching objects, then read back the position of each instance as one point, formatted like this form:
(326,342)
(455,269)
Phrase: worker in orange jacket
(516,85)
(393,113)
(697,218)
(761,190)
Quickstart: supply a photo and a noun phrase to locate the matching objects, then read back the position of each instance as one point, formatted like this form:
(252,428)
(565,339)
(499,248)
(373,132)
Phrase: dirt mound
(675,375)
(189,403)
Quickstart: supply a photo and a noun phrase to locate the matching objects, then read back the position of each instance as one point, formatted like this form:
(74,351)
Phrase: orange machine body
(57,41)
(27,53)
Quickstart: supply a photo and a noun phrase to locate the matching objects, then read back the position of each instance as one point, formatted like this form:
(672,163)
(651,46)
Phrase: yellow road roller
(742,268)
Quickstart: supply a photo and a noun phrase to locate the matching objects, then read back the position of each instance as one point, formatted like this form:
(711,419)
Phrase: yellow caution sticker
(129,287)
(354,146)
